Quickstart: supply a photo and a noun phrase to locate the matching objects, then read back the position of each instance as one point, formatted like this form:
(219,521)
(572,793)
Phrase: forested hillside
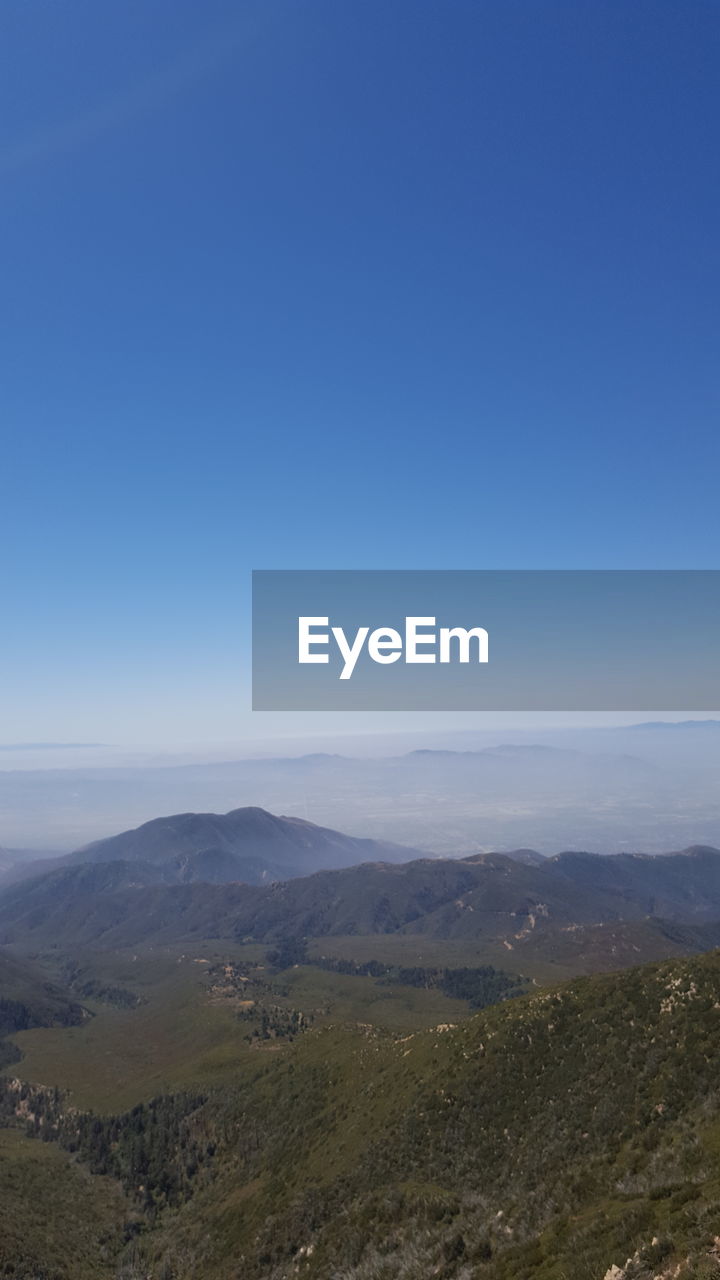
(493,898)
(361,1154)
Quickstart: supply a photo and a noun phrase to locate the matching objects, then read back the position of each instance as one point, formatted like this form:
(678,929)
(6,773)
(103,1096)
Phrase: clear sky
(403,283)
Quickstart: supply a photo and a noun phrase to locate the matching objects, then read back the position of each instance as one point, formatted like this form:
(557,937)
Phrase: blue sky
(321,284)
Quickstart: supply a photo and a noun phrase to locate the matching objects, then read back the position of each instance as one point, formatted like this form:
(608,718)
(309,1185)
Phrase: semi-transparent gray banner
(495,640)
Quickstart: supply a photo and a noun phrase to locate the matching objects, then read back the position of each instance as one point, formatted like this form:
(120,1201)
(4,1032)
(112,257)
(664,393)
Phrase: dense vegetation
(548,1138)
(298,1098)
(488,898)
(57,1221)
(28,1000)
(480,986)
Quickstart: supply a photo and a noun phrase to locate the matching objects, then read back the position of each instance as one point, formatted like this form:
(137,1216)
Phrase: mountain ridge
(488,897)
(247,844)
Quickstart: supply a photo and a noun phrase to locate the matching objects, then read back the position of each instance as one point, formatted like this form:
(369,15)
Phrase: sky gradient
(321,285)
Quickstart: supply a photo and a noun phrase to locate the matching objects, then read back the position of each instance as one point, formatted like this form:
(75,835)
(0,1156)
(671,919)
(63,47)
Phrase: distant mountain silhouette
(249,845)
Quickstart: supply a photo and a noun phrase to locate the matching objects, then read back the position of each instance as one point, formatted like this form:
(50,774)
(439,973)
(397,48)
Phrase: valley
(310,1076)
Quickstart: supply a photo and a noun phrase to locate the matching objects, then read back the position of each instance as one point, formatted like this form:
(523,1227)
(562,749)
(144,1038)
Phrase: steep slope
(57,1223)
(549,1138)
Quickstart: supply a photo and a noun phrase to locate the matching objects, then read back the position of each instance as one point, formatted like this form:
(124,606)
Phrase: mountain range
(189,876)
(315,1096)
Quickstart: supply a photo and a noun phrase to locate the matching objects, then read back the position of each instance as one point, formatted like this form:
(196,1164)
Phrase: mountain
(122,904)
(249,845)
(488,898)
(679,886)
(679,726)
(594,948)
(530,857)
(569,1133)
(336,1148)
(430,1160)
(249,833)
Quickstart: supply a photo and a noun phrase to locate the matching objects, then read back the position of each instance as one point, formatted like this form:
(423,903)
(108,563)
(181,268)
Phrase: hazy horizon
(647,786)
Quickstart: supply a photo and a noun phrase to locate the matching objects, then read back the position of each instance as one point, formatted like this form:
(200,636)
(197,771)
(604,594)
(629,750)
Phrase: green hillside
(59,1222)
(28,998)
(547,1138)
(374,1073)
(551,1137)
